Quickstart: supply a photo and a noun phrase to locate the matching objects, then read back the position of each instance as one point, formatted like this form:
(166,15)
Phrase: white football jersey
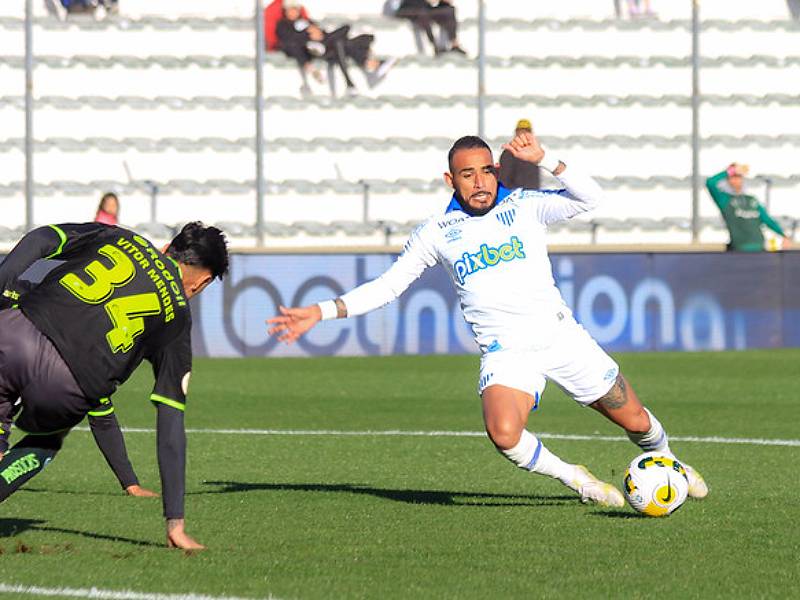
(498,263)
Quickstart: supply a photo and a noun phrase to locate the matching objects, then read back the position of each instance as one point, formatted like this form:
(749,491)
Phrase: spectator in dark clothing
(423,15)
(272,14)
(516,173)
(303,40)
(95,8)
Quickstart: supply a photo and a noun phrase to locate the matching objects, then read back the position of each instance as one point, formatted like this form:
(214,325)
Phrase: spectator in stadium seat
(303,40)
(108,210)
(272,14)
(423,15)
(492,242)
(636,8)
(516,173)
(744,215)
(96,8)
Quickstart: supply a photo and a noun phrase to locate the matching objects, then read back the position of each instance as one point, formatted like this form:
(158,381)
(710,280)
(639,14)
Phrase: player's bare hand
(293,322)
(178,538)
(140,492)
(526,147)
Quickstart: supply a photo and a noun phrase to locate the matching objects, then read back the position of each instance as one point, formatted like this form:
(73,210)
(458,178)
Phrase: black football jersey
(113,301)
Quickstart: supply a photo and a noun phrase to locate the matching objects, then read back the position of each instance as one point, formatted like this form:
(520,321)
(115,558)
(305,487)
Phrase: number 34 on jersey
(127,312)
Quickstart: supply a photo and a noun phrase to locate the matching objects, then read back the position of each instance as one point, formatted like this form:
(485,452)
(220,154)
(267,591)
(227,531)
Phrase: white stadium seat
(166,91)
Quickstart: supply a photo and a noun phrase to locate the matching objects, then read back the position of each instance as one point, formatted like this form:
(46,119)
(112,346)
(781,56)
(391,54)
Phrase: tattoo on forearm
(617,396)
(341,309)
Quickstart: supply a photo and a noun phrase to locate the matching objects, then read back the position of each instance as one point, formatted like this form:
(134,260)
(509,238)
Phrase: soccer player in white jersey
(491,240)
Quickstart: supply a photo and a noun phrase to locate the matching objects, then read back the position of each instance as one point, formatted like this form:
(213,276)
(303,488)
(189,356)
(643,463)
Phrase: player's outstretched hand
(178,538)
(140,492)
(526,147)
(293,322)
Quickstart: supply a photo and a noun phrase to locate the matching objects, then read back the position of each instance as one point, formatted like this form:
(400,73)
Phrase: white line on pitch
(99,594)
(401,433)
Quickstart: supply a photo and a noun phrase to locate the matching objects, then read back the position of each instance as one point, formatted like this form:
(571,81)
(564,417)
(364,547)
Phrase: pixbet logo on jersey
(487,257)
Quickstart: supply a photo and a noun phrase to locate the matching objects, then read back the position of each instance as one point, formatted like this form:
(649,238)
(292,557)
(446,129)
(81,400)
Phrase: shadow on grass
(13,527)
(620,514)
(435,497)
(35,490)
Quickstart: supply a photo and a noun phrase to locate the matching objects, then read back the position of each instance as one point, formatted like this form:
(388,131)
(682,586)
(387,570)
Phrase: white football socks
(530,454)
(655,439)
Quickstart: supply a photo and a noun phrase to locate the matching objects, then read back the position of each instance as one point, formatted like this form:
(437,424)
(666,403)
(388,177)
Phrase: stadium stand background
(167,88)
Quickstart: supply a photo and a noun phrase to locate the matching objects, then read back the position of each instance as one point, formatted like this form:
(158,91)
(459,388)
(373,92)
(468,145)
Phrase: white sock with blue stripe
(530,454)
(653,440)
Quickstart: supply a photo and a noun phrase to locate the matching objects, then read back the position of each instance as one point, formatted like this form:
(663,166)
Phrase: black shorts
(31,369)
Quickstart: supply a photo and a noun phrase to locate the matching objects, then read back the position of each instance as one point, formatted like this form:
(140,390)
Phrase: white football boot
(594,491)
(697,485)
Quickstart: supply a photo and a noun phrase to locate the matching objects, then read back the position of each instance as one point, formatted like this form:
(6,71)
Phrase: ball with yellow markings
(655,484)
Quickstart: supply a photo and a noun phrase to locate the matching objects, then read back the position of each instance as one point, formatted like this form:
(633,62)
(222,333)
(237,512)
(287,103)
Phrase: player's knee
(504,433)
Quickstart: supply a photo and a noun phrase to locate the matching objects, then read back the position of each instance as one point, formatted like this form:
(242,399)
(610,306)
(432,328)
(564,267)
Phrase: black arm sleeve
(39,243)
(171,443)
(13,291)
(171,367)
(108,437)
(49,241)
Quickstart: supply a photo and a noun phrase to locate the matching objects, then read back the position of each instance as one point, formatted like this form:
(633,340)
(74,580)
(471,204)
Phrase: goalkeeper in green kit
(744,215)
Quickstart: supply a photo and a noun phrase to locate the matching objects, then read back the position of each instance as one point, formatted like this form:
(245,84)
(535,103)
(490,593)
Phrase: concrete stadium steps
(550,75)
(401,200)
(375,233)
(354,163)
(581,87)
(395,38)
(467,9)
(215,207)
(417,116)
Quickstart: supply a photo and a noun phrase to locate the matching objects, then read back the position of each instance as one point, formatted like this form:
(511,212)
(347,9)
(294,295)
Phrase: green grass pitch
(336,516)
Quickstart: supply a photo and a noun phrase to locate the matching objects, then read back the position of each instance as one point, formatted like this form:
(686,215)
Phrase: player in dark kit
(80,333)
(102,422)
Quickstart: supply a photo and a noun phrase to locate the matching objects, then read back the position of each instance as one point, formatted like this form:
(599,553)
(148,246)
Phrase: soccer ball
(655,484)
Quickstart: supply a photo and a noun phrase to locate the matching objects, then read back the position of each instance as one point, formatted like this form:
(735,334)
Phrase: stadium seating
(167,98)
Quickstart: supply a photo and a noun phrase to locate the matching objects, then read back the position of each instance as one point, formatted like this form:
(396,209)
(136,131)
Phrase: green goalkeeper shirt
(743,214)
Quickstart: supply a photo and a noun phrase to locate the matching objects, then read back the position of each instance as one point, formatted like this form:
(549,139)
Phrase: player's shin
(24,461)
(530,454)
(652,440)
